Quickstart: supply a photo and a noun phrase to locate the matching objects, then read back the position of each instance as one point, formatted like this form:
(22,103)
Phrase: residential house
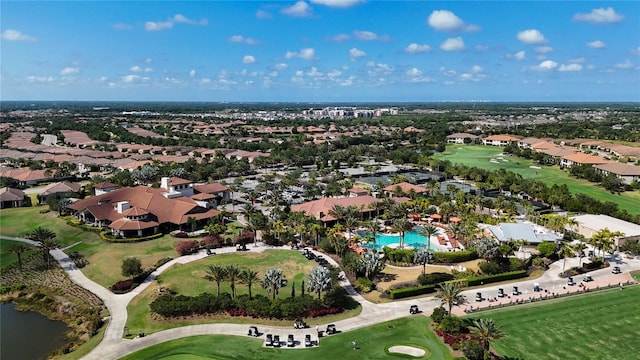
(461,138)
(103,188)
(58,190)
(404,188)
(321,208)
(625,172)
(582,159)
(500,140)
(11,198)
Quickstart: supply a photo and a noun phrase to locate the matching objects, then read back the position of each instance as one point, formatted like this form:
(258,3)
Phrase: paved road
(114,346)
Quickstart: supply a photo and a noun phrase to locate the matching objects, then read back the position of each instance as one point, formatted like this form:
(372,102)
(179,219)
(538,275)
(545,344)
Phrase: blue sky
(320,50)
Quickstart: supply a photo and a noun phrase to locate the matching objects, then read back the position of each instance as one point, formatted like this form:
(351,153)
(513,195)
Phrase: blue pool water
(410,239)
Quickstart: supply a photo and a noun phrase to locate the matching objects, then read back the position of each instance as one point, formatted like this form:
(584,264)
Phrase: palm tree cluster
(47,241)
(232,274)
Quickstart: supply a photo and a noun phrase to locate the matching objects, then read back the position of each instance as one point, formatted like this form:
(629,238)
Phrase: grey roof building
(533,234)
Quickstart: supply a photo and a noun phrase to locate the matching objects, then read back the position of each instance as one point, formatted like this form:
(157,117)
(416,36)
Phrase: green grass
(188,279)
(372,344)
(479,156)
(6,258)
(601,325)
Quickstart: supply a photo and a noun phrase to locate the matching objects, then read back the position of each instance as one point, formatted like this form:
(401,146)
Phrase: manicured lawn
(7,258)
(480,156)
(372,343)
(601,325)
(188,279)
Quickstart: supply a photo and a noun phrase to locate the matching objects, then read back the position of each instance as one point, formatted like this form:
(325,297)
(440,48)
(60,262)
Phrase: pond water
(28,335)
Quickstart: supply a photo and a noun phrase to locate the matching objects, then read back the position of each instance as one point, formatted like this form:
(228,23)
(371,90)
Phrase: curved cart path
(114,346)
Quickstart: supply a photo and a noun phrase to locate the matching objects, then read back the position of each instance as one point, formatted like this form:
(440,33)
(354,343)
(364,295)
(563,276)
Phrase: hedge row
(107,237)
(413,291)
(426,289)
(455,257)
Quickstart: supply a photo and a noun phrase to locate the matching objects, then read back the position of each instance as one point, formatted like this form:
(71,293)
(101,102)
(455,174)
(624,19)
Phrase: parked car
(616,270)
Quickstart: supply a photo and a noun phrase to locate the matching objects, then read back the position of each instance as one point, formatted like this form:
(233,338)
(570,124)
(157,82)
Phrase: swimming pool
(411,238)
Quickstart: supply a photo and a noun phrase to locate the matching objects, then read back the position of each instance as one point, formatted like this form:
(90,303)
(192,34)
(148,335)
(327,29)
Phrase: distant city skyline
(320,51)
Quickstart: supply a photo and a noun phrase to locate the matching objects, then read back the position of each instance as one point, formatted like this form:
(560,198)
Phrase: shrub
(364,284)
(408,292)
(490,267)
(122,286)
(497,277)
(472,350)
(454,257)
(181,235)
(186,247)
(211,241)
(452,325)
(546,248)
(434,278)
(399,255)
(596,264)
(438,314)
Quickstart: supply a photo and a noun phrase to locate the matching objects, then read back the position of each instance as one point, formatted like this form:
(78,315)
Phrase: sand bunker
(407,350)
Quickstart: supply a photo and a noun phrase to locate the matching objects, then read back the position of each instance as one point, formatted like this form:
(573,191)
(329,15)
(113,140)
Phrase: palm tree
(233,274)
(315,229)
(372,264)
(19,249)
(486,330)
(401,226)
(565,252)
(579,247)
(47,245)
(603,240)
(451,294)
(216,273)
(249,277)
(272,281)
(422,256)
(428,231)
(373,228)
(319,280)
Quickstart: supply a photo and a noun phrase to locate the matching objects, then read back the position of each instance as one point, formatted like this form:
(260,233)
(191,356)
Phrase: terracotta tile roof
(406,187)
(126,224)
(620,169)
(213,188)
(559,151)
(501,137)
(323,206)
(462,136)
(179,181)
(175,210)
(202,196)
(580,158)
(11,194)
(104,185)
(135,211)
(60,187)
(543,145)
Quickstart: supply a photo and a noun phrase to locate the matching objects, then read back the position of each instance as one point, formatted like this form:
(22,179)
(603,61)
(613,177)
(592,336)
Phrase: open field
(188,279)
(602,325)
(372,344)
(479,156)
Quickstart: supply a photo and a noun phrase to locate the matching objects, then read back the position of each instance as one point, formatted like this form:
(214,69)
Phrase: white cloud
(69,71)
(543,49)
(520,55)
(531,36)
(475,69)
(570,67)
(261,14)
(15,35)
(413,72)
(636,51)
(242,39)
(580,60)
(334,73)
(452,44)
(337,3)
(290,54)
(282,66)
(415,75)
(481,48)
(597,44)
(168,24)
(135,68)
(547,65)
(248,59)
(378,68)
(299,9)
(192,73)
(40,79)
(368,36)
(307,54)
(130,78)
(445,20)
(148,69)
(599,16)
(337,38)
(414,48)
(354,54)
(625,65)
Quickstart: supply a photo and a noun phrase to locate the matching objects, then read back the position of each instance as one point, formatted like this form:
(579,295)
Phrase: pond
(28,335)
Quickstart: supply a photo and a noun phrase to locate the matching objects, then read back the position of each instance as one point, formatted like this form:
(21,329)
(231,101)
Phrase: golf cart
(276,341)
(570,282)
(616,270)
(253,331)
(307,340)
(300,324)
(269,340)
(478,297)
(290,341)
(587,278)
(536,287)
(331,329)
(516,291)
(414,309)
(501,293)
